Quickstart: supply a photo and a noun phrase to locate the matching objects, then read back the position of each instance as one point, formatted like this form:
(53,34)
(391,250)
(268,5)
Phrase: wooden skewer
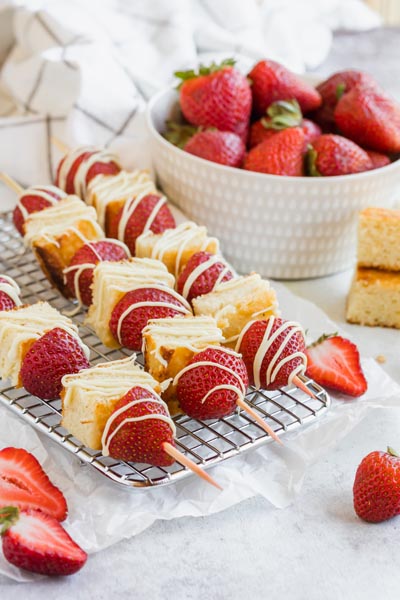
(302,386)
(60,145)
(184,460)
(11,183)
(244,406)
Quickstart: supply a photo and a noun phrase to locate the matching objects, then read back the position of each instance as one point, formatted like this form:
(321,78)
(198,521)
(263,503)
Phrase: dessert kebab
(204,331)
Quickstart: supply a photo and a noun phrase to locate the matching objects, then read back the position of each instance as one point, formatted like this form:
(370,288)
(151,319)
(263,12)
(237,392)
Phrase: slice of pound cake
(374,298)
(379,239)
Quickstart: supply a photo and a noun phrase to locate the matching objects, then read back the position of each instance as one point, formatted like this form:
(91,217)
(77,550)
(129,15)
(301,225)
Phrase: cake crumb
(380,359)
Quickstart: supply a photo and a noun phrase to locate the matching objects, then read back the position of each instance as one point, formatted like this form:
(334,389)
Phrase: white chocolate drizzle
(11,289)
(202,268)
(42,192)
(129,208)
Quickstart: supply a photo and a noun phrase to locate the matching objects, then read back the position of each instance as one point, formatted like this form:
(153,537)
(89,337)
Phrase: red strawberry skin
(220,99)
(89,253)
(51,357)
(38,543)
(377,159)
(6,302)
(272,81)
(282,154)
(24,484)
(141,441)
(251,342)
(336,155)
(222,147)
(331,91)
(334,362)
(376,490)
(138,220)
(134,323)
(33,203)
(259,133)
(196,383)
(105,168)
(370,118)
(205,283)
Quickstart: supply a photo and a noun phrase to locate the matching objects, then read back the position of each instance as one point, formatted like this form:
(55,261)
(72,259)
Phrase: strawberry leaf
(310,162)
(322,338)
(283,114)
(340,90)
(203,70)
(178,134)
(392,452)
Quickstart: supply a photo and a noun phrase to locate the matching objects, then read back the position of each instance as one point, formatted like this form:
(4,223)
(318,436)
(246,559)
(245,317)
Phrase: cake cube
(379,239)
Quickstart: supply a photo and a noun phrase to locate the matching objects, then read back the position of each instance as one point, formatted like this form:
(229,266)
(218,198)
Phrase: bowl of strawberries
(276,165)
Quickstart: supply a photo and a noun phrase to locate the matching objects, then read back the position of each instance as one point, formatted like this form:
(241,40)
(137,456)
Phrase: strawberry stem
(392,452)
(204,70)
(283,114)
(340,90)
(322,338)
(8,517)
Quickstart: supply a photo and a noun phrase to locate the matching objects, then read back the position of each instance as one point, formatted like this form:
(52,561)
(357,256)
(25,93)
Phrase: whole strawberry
(222,147)
(377,159)
(202,274)
(37,542)
(332,155)
(55,354)
(259,132)
(216,96)
(273,351)
(33,200)
(271,81)
(132,313)
(141,214)
(209,387)
(282,154)
(79,274)
(9,293)
(332,89)
(370,118)
(376,490)
(137,429)
(334,362)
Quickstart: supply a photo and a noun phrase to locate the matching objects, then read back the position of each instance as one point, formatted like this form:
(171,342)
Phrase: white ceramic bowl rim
(225,169)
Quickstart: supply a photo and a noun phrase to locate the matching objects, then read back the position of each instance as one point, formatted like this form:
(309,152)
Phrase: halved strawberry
(211,390)
(105,167)
(132,313)
(24,484)
(195,280)
(52,356)
(79,280)
(35,199)
(135,433)
(9,293)
(334,362)
(38,543)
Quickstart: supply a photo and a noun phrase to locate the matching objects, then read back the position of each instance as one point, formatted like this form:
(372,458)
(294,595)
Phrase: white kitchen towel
(82,70)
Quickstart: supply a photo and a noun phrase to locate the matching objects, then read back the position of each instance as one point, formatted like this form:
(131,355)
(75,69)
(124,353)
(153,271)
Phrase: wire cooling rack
(207,443)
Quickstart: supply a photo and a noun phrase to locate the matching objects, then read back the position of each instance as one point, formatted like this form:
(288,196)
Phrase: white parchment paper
(101,513)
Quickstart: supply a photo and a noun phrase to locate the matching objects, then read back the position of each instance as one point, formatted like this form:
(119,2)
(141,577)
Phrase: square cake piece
(57,233)
(236,302)
(20,328)
(89,397)
(174,247)
(112,280)
(169,344)
(108,194)
(374,298)
(379,239)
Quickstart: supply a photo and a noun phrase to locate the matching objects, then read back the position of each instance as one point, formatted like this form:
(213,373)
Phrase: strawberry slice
(24,484)
(334,362)
(38,543)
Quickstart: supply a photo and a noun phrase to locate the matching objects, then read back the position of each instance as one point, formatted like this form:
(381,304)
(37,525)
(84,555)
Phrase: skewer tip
(302,386)
(60,144)
(11,183)
(250,411)
(187,462)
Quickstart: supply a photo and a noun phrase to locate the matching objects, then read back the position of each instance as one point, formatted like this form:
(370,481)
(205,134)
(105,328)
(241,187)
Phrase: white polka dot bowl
(281,227)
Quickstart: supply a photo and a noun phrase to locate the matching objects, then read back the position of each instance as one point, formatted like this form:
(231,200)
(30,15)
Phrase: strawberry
(216,96)
(24,484)
(52,356)
(198,385)
(37,542)
(79,281)
(282,357)
(271,81)
(280,155)
(9,293)
(132,437)
(222,147)
(33,200)
(149,213)
(332,155)
(370,118)
(206,278)
(100,166)
(137,307)
(376,489)
(334,362)
(377,159)
(332,89)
